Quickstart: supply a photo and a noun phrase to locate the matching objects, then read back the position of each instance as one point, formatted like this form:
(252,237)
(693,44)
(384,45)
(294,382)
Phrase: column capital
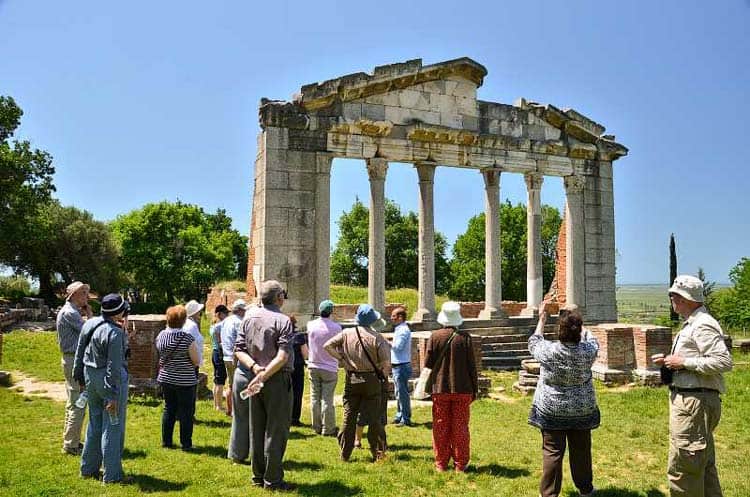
(574,184)
(534,180)
(491,178)
(377,168)
(426,171)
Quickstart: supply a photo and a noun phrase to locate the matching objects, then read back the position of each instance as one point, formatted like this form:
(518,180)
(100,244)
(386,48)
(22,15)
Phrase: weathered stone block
(313,141)
(286,198)
(509,128)
(276,138)
(352,112)
(373,111)
(302,181)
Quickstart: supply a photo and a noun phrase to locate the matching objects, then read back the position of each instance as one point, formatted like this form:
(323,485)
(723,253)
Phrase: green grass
(356,295)
(630,447)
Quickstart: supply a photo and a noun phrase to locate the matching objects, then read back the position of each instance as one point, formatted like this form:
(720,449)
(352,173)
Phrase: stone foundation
(625,352)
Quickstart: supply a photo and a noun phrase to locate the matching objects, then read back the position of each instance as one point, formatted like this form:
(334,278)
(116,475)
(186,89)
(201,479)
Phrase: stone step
(504,353)
(513,338)
(503,363)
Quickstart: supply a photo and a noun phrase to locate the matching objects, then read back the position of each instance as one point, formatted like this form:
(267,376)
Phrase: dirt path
(31,387)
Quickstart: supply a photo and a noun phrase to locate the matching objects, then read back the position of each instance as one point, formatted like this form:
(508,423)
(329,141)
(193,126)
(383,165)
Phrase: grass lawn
(630,447)
(342,294)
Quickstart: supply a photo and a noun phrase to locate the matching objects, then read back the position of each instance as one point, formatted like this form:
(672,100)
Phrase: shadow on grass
(499,470)
(407,446)
(210,450)
(297,435)
(621,492)
(148,484)
(133,454)
(214,423)
(327,488)
(302,465)
(401,456)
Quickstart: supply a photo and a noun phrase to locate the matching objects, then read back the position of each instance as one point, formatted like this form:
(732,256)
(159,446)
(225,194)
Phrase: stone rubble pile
(528,377)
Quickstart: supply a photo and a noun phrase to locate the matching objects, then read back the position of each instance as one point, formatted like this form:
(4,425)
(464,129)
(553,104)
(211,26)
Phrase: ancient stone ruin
(429,116)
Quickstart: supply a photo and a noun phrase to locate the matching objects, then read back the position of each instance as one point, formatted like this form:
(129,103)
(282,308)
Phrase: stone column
(426,277)
(493,288)
(376,170)
(534,280)
(575,251)
(323,227)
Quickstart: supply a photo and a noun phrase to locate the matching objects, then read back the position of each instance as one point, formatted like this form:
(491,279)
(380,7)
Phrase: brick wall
(649,341)
(557,288)
(144,360)
(223,296)
(627,349)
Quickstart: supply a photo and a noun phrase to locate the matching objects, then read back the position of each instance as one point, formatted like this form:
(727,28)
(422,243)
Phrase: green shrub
(14,287)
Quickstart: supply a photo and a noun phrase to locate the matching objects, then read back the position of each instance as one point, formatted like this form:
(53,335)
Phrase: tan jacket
(701,343)
(347,349)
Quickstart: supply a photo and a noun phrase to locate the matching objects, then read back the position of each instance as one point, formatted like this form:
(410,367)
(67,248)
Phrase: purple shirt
(319,331)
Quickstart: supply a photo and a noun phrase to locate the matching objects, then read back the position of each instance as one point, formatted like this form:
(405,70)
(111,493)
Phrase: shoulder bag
(423,388)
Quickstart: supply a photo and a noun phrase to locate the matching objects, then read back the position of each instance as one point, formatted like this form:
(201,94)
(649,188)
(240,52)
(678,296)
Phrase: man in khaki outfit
(69,323)
(699,357)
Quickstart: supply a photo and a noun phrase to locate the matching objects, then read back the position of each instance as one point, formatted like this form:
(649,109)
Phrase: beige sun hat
(239,305)
(74,287)
(688,287)
(450,314)
(193,307)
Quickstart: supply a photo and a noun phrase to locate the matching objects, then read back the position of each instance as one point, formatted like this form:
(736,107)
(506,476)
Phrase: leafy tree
(732,305)
(172,251)
(64,244)
(25,184)
(349,257)
(468,263)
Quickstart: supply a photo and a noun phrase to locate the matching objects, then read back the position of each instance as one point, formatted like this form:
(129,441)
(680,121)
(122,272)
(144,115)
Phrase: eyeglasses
(284,294)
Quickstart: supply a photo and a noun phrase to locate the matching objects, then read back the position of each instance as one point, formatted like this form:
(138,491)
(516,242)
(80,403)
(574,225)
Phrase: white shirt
(192,328)
(229,328)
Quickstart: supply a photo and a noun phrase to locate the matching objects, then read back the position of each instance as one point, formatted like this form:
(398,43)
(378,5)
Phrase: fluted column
(534,279)
(376,170)
(426,276)
(493,285)
(323,227)
(575,251)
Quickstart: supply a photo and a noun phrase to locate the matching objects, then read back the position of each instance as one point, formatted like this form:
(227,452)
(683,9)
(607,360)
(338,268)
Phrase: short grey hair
(269,291)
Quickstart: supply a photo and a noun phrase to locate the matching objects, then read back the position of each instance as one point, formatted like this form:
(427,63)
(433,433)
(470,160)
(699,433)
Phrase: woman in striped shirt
(178,358)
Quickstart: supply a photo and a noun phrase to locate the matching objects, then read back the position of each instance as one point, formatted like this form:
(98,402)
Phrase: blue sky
(144,101)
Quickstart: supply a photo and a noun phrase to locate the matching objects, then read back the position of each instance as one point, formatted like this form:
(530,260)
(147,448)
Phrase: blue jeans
(401,376)
(104,441)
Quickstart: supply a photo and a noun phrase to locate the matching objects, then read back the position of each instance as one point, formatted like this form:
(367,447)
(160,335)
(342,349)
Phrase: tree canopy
(25,183)
(172,251)
(732,305)
(349,257)
(468,263)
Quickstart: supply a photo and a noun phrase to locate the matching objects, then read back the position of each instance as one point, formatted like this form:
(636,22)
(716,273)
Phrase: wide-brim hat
(74,287)
(688,287)
(193,307)
(366,315)
(113,304)
(450,314)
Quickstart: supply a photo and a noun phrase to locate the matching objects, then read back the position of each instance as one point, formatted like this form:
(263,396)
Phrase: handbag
(423,388)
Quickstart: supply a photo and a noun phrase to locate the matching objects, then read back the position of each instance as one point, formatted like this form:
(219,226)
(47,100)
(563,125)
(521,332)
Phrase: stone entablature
(428,116)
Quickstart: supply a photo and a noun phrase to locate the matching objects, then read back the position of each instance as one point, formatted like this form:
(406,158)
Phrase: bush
(14,288)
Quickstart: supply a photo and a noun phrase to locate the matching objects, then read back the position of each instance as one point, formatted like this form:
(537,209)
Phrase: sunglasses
(284,294)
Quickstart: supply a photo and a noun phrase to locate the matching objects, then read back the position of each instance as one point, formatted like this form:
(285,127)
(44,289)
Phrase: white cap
(239,304)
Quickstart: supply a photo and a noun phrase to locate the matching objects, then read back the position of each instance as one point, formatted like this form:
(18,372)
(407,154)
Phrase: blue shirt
(105,349)
(401,347)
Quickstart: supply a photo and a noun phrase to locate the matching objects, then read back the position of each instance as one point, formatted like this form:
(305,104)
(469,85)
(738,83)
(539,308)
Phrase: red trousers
(450,429)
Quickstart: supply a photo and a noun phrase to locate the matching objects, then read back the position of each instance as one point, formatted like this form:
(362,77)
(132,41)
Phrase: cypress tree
(672,273)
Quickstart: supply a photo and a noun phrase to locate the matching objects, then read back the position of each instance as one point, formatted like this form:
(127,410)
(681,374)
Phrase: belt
(703,390)
(399,364)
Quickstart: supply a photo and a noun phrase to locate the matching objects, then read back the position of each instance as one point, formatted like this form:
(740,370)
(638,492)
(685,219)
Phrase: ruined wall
(142,330)
(625,352)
